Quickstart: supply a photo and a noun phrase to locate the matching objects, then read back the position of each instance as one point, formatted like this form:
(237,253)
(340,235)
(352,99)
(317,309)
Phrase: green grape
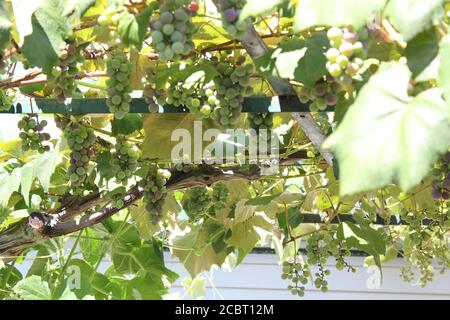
(6,99)
(345,57)
(219,197)
(119,69)
(80,140)
(441,184)
(232,86)
(172,31)
(32,135)
(154,191)
(124,160)
(196,202)
(62,76)
(260,121)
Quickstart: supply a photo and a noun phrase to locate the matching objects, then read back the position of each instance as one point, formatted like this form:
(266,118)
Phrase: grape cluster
(298,274)
(323,94)
(32,135)
(231,10)
(172,31)
(203,101)
(6,100)
(124,160)
(80,140)
(62,76)
(2,65)
(119,70)
(153,96)
(184,165)
(232,85)
(261,121)
(441,183)
(220,194)
(196,202)
(318,255)
(154,190)
(345,57)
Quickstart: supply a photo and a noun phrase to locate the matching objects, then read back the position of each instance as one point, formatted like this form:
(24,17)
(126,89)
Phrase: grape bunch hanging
(231,11)
(153,95)
(62,76)
(32,135)
(6,100)
(261,121)
(441,183)
(80,140)
(154,191)
(196,202)
(172,31)
(345,57)
(119,70)
(232,85)
(124,160)
(323,94)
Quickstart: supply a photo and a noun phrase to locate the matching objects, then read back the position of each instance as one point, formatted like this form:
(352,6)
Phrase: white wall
(258,278)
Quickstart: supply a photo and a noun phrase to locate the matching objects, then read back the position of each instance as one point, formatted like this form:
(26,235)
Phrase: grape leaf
(254,8)
(444,70)
(5,25)
(311,13)
(50,29)
(300,60)
(194,253)
(132,29)
(410,17)
(159,129)
(387,136)
(130,123)
(33,288)
(422,50)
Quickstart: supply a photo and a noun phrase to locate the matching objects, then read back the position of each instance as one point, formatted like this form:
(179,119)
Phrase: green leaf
(364,238)
(303,61)
(5,25)
(422,50)
(245,236)
(396,141)
(9,277)
(254,8)
(159,129)
(50,29)
(261,201)
(195,253)
(410,17)
(130,123)
(33,288)
(310,13)
(444,70)
(91,246)
(78,277)
(180,72)
(144,223)
(132,29)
